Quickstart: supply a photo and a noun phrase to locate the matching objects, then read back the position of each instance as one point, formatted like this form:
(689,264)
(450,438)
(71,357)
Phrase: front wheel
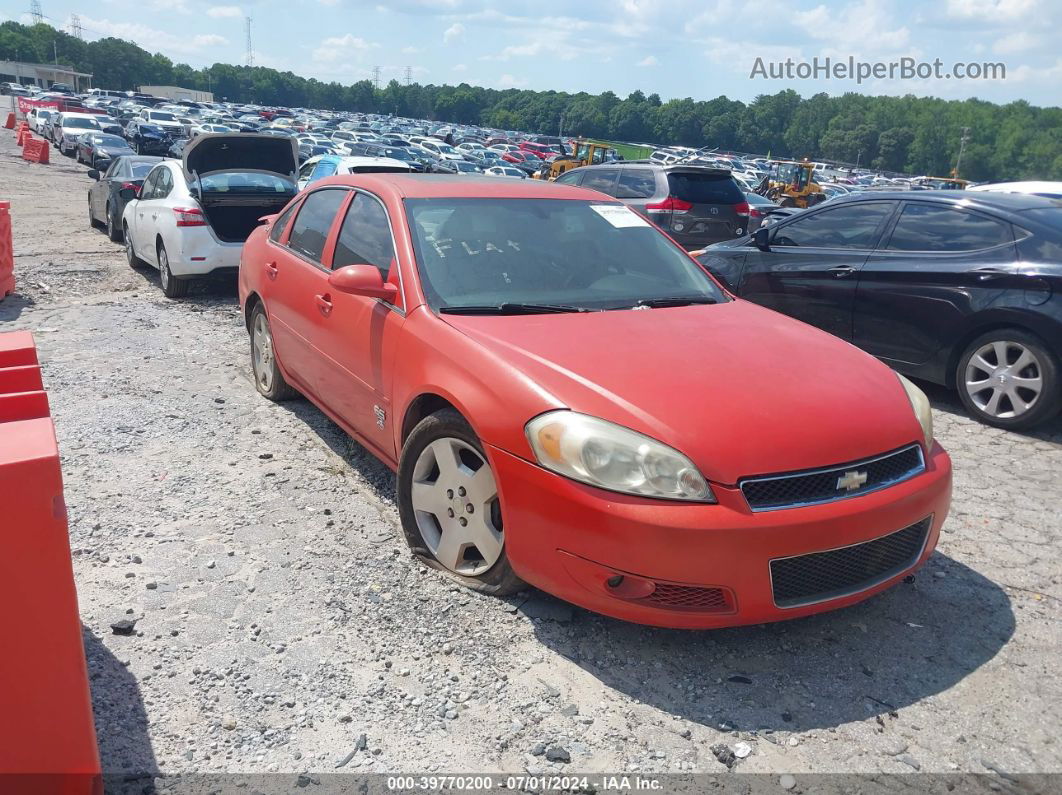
(449,507)
(172,287)
(1009,379)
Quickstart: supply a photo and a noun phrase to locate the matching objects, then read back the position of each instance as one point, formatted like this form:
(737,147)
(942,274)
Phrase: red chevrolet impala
(571,401)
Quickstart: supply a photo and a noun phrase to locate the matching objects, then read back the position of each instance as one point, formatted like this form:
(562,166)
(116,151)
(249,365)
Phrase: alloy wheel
(164,269)
(262,353)
(1004,379)
(455,502)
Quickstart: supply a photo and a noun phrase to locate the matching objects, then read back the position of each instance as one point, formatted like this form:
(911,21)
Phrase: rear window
(141,169)
(1051,216)
(244,182)
(704,188)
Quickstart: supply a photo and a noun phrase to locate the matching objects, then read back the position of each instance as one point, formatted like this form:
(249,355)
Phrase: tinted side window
(310,230)
(164,184)
(636,183)
(928,227)
(307,169)
(117,169)
(571,178)
(854,226)
(365,236)
(602,179)
(282,223)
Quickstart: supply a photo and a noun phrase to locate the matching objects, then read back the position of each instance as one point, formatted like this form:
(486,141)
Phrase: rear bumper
(569,539)
(201,253)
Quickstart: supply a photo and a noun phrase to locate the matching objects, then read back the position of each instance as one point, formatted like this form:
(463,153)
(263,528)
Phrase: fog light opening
(615,581)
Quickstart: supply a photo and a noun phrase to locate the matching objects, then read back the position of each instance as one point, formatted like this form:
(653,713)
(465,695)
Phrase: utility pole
(376,77)
(250,49)
(962,145)
(36,13)
(409,75)
(75,27)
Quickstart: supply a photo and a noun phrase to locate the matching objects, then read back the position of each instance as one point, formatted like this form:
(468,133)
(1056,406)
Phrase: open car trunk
(233,218)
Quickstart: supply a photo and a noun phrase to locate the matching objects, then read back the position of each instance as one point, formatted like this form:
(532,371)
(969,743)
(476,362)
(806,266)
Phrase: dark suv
(696,205)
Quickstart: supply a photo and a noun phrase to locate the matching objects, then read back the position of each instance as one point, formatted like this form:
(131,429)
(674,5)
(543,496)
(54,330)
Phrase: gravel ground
(281,624)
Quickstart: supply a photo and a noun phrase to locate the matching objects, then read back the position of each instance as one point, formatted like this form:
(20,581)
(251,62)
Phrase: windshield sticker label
(619,215)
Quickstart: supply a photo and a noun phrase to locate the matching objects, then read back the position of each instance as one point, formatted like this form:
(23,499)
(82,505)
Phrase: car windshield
(83,124)
(245,182)
(109,140)
(398,154)
(491,251)
(160,116)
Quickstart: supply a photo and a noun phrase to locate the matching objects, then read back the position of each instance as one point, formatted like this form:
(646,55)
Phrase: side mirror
(93,174)
(363,280)
(761,239)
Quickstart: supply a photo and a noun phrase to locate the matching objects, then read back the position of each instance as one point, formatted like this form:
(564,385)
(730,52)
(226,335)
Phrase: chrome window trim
(913,472)
(863,587)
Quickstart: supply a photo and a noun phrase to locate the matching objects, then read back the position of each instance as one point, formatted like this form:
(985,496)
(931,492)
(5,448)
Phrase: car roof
(1011,202)
(462,186)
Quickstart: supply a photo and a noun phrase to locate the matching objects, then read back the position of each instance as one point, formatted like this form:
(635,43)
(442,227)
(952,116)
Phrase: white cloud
(335,48)
(455,31)
(649,60)
(219,12)
(149,38)
(410,50)
(460,67)
(508,81)
(994,11)
(1017,42)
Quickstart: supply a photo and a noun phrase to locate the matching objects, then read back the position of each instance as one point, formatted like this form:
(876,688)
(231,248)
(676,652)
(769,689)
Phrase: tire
(172,287)
(92,218)
(130,256)
(268,379)
(114,228)
(441,467)
(1009,379)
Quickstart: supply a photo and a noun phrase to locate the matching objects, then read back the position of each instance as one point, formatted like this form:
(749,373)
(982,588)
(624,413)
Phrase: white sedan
(192,216)
(504,171)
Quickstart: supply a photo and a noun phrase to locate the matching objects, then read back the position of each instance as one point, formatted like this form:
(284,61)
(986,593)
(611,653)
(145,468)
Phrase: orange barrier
(23,133)
(10,124)
(47,737)
(35,150)
(7,252)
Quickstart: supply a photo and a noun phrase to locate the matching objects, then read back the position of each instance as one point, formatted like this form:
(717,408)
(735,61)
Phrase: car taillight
(669,205)
(754,213)
(742,208)
(189,216)
(130,186)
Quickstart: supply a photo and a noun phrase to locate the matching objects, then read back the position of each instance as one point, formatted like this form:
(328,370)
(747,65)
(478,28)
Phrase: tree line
(917,135)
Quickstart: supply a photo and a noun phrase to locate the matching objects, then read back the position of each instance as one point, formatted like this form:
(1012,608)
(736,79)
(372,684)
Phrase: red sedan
(571,401)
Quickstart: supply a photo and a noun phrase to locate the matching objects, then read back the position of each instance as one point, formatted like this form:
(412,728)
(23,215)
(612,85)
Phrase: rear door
(811,270)
(702,207)
(298,286)
(939,264)
(636,186)
(140,214)
(601,179)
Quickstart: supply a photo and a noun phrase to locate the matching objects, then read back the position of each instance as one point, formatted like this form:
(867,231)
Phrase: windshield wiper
(660,303)
(511,309)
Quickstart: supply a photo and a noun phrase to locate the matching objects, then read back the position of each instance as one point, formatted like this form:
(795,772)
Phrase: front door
(812,268)
(359,339)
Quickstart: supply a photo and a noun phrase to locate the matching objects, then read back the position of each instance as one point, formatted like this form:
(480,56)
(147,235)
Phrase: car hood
(739,389)
(209,153)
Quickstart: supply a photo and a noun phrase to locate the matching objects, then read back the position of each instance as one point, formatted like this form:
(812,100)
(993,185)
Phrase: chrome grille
(795,489)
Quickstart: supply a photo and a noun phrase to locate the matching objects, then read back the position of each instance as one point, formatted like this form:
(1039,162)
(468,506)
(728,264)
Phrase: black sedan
(97,150)
(952,287)
(105,202)
(147,139)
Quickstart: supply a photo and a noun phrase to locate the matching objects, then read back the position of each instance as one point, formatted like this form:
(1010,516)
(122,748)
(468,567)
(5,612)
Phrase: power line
(376,77)
(409,75)
(75,27)
(35,12)
(250,49)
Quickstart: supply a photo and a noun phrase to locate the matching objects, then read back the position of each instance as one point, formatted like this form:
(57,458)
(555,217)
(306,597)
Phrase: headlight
(922,410)
(612,457)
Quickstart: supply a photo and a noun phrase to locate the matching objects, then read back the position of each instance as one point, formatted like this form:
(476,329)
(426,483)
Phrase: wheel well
(253,300)
(158,243)
(423,406)
(970,336)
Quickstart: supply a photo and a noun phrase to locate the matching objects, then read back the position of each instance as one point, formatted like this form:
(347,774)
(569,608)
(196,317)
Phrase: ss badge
(381,416)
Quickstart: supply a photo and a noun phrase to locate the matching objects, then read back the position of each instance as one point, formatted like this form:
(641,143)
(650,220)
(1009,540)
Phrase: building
(176,92)
(43,75)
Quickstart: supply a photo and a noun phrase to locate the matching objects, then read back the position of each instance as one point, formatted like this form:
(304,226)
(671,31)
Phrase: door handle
(841,271)
(324,303)
(984,274)
(271,270)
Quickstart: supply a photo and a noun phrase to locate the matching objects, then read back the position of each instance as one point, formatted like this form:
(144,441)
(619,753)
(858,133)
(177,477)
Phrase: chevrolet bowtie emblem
(851,480)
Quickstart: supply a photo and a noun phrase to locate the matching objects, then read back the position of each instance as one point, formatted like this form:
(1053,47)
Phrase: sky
(674,48)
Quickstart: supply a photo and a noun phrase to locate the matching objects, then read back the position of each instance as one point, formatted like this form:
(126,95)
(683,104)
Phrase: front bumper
(568,539)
